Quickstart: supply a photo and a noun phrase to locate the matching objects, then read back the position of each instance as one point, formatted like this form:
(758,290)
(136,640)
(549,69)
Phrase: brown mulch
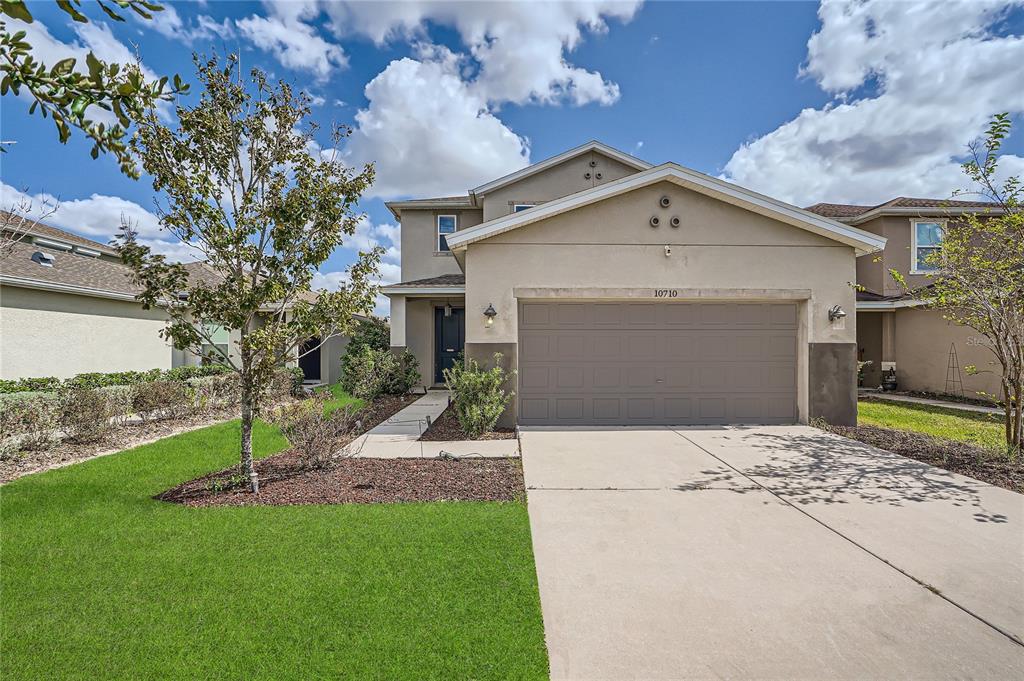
(979,463)
(355,480)
(362,481)
(446,428)
(121,437)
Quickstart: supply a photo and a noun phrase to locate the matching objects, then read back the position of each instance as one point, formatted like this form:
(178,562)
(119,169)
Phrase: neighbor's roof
(863,242)
(47,232)
(70,273)
(901,205)
(441,203)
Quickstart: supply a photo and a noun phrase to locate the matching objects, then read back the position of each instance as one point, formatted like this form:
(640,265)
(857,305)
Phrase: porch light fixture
(835,312)
(447,309)
(490,313)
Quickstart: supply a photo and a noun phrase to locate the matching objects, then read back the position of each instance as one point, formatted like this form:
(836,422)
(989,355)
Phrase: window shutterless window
(445,225)
(925,246)
(521,206)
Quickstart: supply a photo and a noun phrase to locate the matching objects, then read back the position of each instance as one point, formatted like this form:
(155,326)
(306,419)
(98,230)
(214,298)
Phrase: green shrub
(33,384)
(477,395)
(372,332)
(375,372)
(86,413)
(216,392)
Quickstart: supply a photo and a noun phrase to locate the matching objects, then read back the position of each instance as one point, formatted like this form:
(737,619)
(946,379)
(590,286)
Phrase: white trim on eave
(886,305)
(423,290)
(932,211)
(863,242)
(37,284)
(529,170)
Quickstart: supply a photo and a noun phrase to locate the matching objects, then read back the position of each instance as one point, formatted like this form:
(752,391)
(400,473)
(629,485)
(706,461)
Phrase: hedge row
(33,421)
(104,380)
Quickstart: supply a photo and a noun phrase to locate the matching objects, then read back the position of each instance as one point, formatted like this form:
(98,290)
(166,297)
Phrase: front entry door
(309,359)
(449,337)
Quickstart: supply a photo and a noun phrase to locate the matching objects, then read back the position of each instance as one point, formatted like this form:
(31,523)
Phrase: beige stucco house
(626,293)
(67,306)
(895,331)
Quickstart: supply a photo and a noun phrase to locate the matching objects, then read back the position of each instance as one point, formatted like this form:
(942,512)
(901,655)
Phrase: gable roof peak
(586,147)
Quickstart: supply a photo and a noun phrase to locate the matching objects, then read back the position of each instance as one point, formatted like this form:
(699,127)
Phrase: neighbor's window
(445,225)
(521,206)
(927,243)
(218,349)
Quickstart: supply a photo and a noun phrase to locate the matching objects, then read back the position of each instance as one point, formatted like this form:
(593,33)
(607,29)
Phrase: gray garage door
(639,363)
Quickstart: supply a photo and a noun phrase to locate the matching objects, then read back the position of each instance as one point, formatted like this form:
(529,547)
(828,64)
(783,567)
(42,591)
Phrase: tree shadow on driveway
(823,468)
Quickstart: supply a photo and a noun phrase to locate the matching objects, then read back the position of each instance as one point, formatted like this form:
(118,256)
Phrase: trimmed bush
(28,424)
(380,372)
(86,413)
(104,380)
(477,395)
(162,400)
(318,437)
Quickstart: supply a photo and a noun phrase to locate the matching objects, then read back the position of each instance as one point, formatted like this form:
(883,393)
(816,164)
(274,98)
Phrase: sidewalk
(945,404)
(398,437)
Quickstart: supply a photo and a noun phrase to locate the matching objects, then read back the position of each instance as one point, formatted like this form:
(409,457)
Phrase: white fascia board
(22,282)
(863,242)
(529,170)
(423,290)
(931,211)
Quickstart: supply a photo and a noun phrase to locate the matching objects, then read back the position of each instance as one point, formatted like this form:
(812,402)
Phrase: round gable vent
(655,221)
(665,202)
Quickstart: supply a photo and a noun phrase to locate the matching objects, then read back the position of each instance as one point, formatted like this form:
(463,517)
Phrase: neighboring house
(894,329)
(67,306)
(626,293)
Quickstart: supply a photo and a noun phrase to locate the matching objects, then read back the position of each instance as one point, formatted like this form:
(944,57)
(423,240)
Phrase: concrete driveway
(770,553)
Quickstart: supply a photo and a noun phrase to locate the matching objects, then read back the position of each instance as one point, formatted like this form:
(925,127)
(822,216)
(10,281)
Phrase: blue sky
(839,101)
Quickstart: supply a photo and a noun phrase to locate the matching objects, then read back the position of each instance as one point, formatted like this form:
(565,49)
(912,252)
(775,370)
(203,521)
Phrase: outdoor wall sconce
(835,312)
(490,313)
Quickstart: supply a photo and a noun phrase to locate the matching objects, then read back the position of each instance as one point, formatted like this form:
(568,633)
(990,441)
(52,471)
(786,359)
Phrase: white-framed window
(446,224)
(925,245)
(516,207)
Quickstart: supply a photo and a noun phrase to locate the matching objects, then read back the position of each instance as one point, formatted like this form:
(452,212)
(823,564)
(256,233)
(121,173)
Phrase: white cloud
(939,73)
(98,217)
(451,143)
(169,23)
(520,47)
(368,236)
(293,42)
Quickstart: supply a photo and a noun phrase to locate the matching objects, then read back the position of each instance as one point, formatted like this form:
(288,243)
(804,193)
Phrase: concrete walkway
(398,437)
(769,553)
(931,402)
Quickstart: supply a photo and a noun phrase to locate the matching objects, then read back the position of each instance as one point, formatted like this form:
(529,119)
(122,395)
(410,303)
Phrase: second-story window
(521,206)
(925,246)
(445,225)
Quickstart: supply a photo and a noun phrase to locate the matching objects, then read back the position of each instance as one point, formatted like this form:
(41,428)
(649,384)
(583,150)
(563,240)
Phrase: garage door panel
(657,363)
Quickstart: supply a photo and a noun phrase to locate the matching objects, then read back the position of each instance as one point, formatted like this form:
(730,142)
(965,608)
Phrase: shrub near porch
(100,580)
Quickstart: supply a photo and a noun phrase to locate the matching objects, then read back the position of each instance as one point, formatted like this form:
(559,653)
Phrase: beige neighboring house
(627,293)
(894,329)
(67,306)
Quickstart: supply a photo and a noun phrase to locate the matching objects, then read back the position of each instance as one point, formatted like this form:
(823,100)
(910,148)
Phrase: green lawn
(951,424)
(100,580)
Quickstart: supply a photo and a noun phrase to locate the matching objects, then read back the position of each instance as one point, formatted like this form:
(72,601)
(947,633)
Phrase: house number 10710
(665,293)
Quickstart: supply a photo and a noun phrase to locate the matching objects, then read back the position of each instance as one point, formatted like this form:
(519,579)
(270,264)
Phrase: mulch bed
(363,481)
(446,428)
(356,480)
(979,463)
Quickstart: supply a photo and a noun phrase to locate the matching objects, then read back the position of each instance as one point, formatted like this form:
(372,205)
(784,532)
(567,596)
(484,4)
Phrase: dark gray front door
(449,339)
(640,363)
(309,359)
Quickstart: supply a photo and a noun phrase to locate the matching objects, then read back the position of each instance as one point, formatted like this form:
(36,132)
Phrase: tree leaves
(66,94)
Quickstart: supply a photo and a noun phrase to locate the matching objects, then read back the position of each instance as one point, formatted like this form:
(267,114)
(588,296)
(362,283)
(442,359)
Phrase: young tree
(247,186)
(67,95)
(981,280)
(18,219)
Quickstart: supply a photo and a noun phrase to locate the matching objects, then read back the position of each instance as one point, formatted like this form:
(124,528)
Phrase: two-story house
(626,293)
(895,331)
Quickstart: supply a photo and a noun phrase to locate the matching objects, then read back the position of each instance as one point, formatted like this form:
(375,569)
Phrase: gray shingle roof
(442,280)
(846,210)
(48,232)
(69,269)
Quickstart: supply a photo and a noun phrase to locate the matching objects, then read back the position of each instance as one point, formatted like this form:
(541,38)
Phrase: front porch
(428,318)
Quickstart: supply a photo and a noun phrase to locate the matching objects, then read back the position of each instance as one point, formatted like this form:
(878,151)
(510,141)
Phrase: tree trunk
(248,469)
